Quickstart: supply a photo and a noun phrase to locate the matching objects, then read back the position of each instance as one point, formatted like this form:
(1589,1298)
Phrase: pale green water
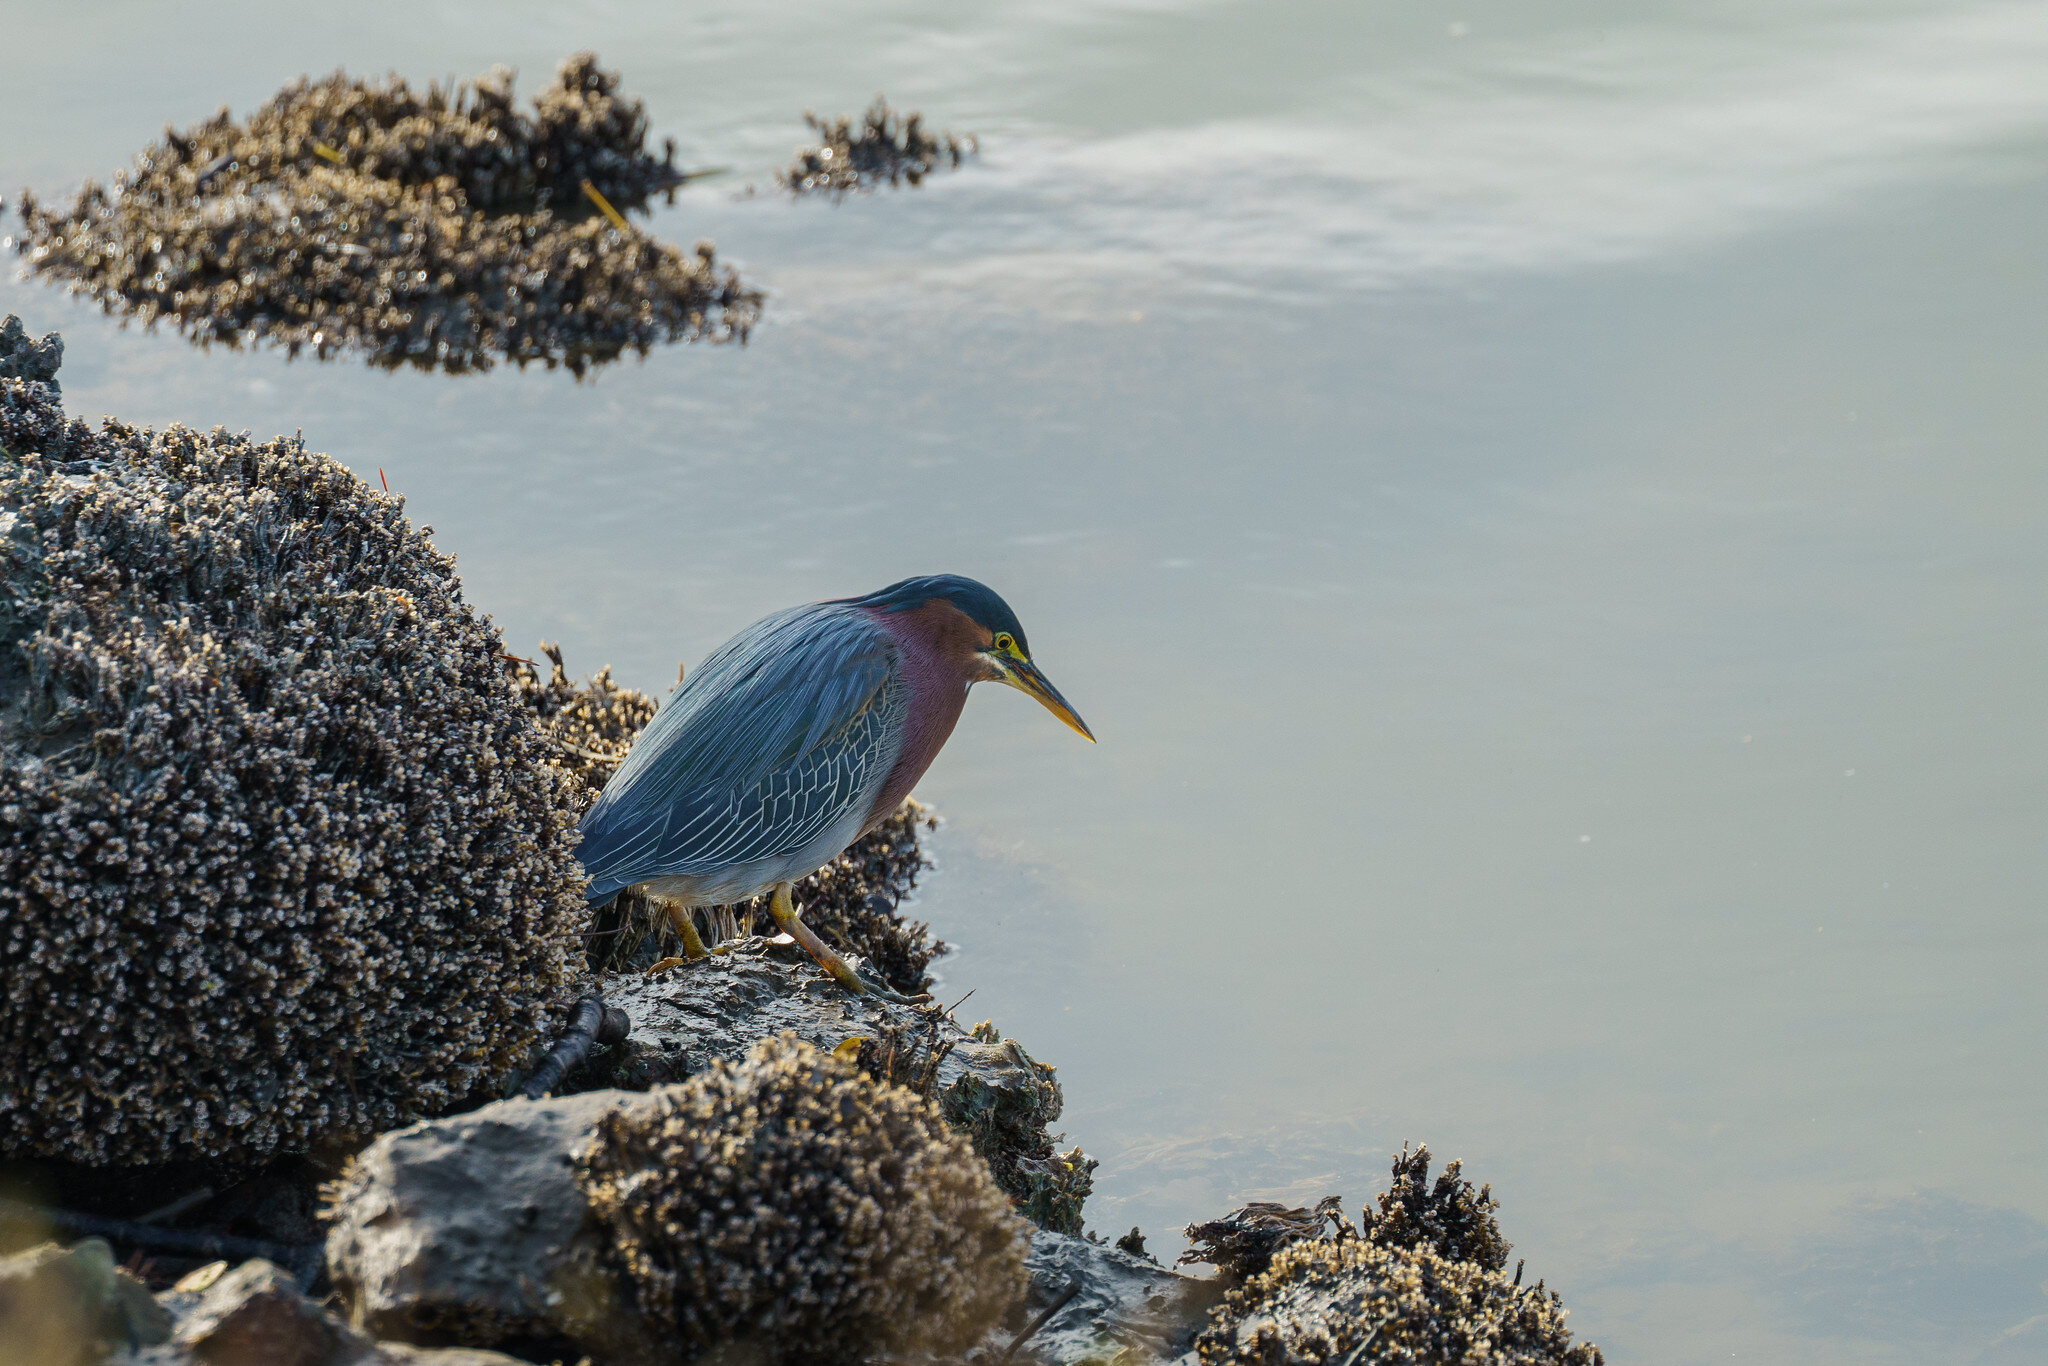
(1548,524)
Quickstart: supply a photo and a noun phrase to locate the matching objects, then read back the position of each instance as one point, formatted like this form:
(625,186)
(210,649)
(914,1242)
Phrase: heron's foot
(666,965)
(685,926)
(790,923)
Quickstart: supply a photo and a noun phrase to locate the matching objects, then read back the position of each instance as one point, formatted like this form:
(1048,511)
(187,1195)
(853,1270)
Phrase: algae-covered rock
(987,1087)
(881,147)
(281,858)
(442,230)
(794,1206)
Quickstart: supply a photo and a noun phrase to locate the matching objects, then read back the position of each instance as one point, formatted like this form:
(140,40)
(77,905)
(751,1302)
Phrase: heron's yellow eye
(1007,643)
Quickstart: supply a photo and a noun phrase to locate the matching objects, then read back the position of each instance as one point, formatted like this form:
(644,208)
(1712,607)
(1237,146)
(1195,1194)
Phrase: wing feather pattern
(765,746)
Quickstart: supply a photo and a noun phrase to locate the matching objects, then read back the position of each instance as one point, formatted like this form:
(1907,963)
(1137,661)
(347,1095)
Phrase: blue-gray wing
(765,746)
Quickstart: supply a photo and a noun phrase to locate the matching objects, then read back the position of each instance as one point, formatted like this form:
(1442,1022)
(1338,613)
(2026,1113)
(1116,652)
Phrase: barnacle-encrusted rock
(25,358)
(987,1087)
(442,230)
(1419,1280)
(884,147)
(281,858)
(795,1205)
(1354,1303)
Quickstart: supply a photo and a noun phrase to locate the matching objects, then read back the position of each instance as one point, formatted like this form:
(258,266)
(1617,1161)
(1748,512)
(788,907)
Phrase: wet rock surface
(282,860)
(444,230)
(1121,1303)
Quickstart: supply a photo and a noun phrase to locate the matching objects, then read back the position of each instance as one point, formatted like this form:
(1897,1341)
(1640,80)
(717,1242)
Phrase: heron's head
(977,629)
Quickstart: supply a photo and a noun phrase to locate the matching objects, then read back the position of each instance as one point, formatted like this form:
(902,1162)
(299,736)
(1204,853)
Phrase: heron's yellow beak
(1024,676)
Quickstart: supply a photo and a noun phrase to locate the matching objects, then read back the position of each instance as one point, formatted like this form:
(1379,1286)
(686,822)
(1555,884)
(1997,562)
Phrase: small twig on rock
(1044,1317)
(1360,1349)
(303,1260)
(590,1023)
(166,1213)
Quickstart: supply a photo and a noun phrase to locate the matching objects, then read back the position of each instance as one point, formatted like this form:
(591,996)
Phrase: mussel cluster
(444,230)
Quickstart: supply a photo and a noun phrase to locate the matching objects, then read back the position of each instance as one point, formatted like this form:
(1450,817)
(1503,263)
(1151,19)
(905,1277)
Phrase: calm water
(1543,505)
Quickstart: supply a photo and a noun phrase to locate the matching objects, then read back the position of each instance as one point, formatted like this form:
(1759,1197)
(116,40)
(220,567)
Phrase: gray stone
(471,1230)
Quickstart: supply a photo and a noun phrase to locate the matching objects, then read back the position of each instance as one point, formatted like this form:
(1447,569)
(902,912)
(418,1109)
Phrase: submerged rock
(281,858)
(883,148)
(443,230)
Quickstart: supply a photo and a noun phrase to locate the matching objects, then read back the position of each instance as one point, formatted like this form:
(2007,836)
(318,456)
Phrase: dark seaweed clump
(794,1205)
(281,857)
(1242,1244)
(882,147)
(1420,1279)
(442,230)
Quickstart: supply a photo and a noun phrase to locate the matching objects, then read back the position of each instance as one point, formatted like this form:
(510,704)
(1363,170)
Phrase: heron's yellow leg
(790,923)
(686,929)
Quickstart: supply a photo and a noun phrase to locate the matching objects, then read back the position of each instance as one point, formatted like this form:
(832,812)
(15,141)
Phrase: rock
(472,1229)
(986,1086)
(71,1306)
(255,1314)
(1124,1303)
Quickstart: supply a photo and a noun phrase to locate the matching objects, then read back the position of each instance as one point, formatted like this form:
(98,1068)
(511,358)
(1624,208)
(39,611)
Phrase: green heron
(795,738)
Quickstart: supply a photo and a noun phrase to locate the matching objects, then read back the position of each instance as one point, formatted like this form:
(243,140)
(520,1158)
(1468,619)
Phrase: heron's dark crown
(977,600)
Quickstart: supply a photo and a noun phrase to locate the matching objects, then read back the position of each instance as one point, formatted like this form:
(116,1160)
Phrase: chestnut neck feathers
(940,650)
